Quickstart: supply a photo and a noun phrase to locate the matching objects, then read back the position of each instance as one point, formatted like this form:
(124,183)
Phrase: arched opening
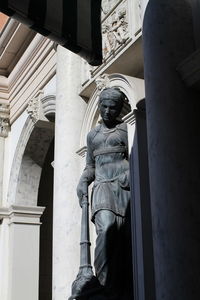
(31,187)
(45,198)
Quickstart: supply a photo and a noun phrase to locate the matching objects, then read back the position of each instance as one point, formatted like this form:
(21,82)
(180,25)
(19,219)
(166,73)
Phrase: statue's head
(111,101)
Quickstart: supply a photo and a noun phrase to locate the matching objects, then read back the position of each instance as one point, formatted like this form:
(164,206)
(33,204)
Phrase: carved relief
(107,5)
(115,33)
(115,30)
(4,120)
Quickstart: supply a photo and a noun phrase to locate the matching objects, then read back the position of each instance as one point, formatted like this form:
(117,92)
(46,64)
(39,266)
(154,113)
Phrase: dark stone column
(173,149)
(196,20)
(143,261)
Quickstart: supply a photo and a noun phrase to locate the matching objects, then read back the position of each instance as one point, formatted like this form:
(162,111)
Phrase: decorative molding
(29,60)
(189,70)
(82,151)
(22,214)
(4,120)
(34,70)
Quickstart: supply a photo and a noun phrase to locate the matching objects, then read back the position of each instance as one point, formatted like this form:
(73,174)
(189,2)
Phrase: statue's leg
(113,263)
(107,252)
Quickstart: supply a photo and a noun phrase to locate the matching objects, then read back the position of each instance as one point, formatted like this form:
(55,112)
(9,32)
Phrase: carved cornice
(4,120)
(34,70)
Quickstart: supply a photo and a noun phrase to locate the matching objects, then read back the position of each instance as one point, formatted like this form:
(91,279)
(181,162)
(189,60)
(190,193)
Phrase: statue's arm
(88,174)
(124,178)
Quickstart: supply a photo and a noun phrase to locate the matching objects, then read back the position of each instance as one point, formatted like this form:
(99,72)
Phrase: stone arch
(30,153)
(132,87)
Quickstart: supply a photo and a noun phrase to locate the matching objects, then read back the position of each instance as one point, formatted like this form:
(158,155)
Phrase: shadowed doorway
(45,198)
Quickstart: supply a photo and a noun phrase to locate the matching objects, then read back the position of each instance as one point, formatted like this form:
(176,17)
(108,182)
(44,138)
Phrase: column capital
(18,214)
(42,108)
(4,120)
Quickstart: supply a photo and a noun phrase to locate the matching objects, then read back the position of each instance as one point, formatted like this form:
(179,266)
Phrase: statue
(108,167)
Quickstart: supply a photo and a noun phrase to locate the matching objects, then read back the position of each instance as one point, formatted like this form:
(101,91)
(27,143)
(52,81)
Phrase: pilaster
(19,252)
(4,130)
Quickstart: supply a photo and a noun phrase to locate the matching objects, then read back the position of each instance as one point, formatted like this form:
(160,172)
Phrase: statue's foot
(85,285)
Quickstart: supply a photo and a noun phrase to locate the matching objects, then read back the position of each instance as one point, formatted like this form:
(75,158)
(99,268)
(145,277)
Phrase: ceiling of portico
(14,40)
(3,21)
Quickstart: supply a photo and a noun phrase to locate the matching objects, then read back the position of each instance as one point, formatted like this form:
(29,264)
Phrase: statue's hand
(82,190)
(124,180)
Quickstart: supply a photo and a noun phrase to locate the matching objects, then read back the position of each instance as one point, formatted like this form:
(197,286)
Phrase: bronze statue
(108,167)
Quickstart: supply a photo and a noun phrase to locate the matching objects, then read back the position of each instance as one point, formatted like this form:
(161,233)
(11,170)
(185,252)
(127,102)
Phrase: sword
(86,283)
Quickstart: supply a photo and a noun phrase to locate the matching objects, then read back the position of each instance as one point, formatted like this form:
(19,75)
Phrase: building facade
(48,104)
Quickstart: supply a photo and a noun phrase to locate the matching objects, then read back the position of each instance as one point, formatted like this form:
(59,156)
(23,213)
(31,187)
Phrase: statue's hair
(121,97)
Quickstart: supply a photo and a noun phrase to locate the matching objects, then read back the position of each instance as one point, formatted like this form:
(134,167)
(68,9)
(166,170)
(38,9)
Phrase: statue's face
(110,109)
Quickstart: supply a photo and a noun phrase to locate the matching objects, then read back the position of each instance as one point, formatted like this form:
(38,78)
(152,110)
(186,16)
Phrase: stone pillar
(4,129)
(70,109)
(19,252)
(173,149)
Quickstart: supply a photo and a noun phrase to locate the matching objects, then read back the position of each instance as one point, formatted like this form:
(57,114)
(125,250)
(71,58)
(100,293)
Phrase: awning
(74,24)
